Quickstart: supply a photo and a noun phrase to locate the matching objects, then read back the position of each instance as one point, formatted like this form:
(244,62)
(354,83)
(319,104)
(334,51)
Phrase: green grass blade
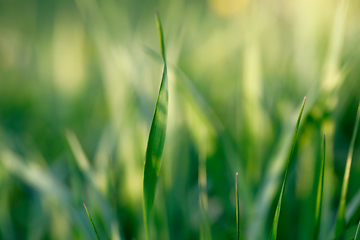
(348,234)
(92,223)
(273,233)
(156,141)
(161,36)
(340,220)
(237,206)
(353,207)
(357,234)
(319,194)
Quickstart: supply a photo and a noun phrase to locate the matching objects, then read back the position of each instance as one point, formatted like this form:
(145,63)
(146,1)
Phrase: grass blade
(353,207)
(156,140)
(273,233)
(348,234)
(340,220)
(357,234)
(237,206)
(319,194)
(92,223)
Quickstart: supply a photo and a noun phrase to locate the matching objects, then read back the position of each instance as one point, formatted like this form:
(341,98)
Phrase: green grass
(92,223)
(83,105)
(319,196)
(340,220)
(274,228)
(156,140)
(357,234)
(238,229)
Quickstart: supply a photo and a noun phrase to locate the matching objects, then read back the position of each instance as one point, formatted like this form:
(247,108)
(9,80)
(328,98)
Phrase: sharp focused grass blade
(340,221)
(237,206)
(357,234)
(92,224)
(319,194)
(156,141)
(273,233)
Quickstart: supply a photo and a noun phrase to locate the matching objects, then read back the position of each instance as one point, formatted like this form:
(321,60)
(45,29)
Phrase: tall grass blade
(92,223)
(273,233)
(340,220)
(201,103)
(156,140)
(319,194)
(357,234)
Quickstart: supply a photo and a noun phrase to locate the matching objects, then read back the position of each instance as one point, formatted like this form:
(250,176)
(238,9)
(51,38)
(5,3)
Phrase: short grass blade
(156,141)
(357,234)
(274,228)
(319,194)
(92,223)
(340,220)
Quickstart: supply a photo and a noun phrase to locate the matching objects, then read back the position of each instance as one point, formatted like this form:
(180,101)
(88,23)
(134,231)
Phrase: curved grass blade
(192,93)
(273,233)
(357,234)
(92,223)
(340,220)
(319,194)
(156,140)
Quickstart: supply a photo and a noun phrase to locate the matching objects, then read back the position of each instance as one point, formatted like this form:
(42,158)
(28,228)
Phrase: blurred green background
(78,86)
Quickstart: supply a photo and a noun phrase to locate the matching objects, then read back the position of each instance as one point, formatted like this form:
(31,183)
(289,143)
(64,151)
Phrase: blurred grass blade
(353,207)
(237,206)
(357,234)
(273,233)
(92,224)
(156,141)
(348,234)
(319,194)
(205,231)
(340,221)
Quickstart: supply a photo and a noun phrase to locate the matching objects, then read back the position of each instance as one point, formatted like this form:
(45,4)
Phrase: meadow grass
(78,87)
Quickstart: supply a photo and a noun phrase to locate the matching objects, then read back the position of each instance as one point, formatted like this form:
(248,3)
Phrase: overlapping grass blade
(319,194)
(273,233)
(340,220)
(92,223)
(156,140)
